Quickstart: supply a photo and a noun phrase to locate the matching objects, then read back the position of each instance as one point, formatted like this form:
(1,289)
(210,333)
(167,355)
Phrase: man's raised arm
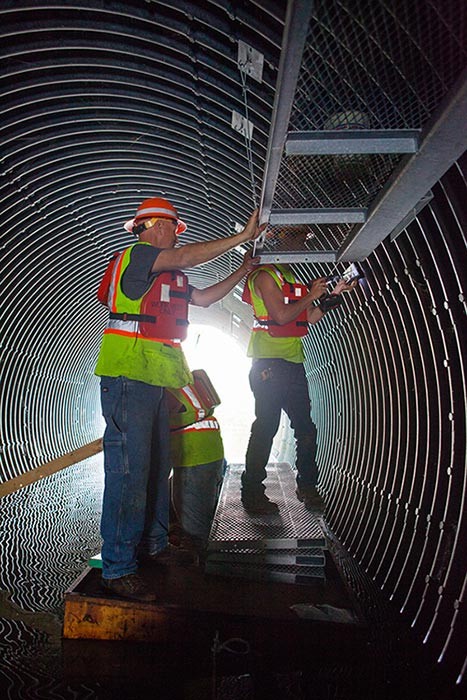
(193,254)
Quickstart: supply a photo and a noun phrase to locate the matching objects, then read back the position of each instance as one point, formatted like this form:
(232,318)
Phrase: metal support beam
(413,213)
(317,216)
(310,143)
(443,141)
(293,42)
(297,256)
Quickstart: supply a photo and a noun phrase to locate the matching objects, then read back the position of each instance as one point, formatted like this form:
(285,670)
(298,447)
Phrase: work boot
(163,556)
(187,553)
(130,586)
(175,534)
(311,499)
(259,503)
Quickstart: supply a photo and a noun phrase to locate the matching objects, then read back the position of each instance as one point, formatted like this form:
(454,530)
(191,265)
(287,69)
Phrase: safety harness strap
(143,318)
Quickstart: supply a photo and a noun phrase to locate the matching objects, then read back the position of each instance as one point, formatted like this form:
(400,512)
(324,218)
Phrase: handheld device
(351,273)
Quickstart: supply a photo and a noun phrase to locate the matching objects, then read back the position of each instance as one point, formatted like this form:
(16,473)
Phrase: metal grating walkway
(287,546)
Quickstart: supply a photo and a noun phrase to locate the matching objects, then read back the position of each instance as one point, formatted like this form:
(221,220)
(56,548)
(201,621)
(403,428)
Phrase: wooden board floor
(185,592)
(193,609)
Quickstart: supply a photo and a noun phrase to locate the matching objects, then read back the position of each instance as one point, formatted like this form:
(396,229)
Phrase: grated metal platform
(266,572)
(313,556)
(287,546)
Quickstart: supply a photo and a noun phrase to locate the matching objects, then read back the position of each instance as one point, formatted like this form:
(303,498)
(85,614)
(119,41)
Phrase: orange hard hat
(156,207)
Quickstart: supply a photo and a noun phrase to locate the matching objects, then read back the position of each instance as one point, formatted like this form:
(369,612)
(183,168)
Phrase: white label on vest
(298,292)
(165,292)
(179,281)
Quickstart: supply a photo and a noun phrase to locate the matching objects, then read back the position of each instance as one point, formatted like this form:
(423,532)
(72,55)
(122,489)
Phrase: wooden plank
(192,604)
(52,467)
(104,618)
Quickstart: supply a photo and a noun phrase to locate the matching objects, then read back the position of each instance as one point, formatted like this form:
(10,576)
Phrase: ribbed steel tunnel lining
(104,104)
(388,381)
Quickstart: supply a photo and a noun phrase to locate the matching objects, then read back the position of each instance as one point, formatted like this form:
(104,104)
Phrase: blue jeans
(135,509)
(279,385)
(194,496)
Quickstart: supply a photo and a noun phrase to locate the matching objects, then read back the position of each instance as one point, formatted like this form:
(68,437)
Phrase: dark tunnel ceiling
(106,103)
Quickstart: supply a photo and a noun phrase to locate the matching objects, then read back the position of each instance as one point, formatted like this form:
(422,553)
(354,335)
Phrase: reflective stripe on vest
(115,327)
(208,424)
(193,400)
(260,323)
(116,273)
(167,299)
(287,330)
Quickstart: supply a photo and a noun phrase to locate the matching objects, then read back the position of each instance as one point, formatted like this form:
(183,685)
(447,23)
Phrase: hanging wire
(249,151)
(235,645)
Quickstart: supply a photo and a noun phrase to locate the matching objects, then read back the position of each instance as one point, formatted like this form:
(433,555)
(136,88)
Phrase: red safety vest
(192,402)
(292,291)
(164,307)
(104,287)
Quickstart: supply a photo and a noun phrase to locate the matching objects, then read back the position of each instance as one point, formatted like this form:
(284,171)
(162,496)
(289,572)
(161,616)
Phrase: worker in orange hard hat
(147,295)
(154,208)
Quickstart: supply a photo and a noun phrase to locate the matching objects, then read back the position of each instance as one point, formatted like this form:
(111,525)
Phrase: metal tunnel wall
(389,396)
(387,380)
(95,93)
(386,370)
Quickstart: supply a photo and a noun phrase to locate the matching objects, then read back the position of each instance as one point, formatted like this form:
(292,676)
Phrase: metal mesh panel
(391,61)
(332,181)
(304,237)
(266,572)
(291,527)
(313,556)
(285,547)
(366,65)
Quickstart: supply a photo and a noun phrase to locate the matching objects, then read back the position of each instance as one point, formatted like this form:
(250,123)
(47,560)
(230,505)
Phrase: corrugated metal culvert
(346,117)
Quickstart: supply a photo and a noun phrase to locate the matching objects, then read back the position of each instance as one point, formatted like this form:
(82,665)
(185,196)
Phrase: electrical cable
(244,648)
(248,148)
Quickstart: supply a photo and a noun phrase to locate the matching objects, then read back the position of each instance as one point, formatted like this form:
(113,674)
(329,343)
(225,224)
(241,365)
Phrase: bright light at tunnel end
(227,366)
